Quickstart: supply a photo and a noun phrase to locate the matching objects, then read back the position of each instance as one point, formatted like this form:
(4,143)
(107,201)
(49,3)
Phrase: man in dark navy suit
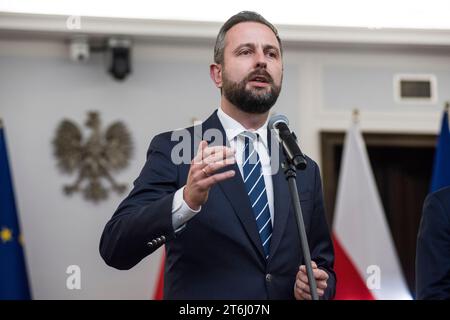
(433,248)
(214,196)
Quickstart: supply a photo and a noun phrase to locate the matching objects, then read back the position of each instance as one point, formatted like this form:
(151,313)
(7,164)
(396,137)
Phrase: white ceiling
(417,14)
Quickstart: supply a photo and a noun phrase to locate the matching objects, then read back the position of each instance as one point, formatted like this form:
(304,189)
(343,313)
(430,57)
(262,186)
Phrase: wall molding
(54,26)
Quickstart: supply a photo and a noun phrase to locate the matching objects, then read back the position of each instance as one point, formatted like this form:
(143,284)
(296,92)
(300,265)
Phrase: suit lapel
(282,199)
(235,192)
(234,189)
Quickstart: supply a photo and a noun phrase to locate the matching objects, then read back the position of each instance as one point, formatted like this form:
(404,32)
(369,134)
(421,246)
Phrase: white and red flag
(158,293)
(367,265)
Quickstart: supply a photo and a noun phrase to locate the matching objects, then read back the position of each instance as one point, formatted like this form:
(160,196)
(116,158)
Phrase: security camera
(119,57)
(79,49)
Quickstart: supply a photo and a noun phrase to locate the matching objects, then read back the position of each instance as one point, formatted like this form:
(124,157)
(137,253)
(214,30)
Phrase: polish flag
(367,266)
(159,289)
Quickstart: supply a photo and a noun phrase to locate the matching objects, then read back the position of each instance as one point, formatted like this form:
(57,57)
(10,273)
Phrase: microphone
(288,139)
(295,159)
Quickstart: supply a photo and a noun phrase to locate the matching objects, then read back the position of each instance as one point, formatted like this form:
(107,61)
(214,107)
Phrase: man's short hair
(243,16)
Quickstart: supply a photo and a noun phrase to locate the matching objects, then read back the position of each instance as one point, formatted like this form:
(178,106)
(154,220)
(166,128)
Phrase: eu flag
(13,275)
(441,169)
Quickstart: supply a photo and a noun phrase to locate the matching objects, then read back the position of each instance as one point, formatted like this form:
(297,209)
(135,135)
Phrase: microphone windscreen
(276,118)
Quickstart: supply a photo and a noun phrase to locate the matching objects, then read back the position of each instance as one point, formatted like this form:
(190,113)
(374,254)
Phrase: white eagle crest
(93,159)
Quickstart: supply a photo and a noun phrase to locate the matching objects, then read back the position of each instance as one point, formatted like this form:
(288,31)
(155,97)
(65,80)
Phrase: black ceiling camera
(119,51)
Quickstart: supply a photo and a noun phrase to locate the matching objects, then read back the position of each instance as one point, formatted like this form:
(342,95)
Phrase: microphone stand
(291,173)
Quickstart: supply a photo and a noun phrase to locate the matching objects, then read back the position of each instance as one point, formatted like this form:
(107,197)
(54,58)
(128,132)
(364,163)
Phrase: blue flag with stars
(13,275)
(441,168)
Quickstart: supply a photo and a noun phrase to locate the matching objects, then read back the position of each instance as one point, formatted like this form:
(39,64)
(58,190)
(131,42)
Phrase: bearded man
(225,215)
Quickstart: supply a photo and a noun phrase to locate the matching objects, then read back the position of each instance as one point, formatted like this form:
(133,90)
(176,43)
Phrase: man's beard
(254,100)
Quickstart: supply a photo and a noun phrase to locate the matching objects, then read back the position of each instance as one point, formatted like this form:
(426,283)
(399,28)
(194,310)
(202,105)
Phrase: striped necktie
(256,189)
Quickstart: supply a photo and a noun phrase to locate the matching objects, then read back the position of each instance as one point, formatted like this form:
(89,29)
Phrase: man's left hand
(301,289)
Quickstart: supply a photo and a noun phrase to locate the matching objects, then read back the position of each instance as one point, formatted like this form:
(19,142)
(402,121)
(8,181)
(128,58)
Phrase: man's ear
(215,72)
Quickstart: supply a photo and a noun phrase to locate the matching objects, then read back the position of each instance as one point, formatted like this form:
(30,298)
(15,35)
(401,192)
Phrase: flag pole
(445,113)
(355,116)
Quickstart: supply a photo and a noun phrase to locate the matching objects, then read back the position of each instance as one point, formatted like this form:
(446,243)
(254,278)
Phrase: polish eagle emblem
(95,158)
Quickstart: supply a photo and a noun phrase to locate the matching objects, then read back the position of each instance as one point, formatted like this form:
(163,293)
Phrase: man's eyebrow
(248,44)
(252,46)
(270,47)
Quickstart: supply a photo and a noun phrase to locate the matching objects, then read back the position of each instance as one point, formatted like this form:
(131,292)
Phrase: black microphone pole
(295,159)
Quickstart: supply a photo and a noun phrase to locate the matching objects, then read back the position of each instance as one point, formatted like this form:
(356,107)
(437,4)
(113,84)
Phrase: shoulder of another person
(442,198)
(442,194)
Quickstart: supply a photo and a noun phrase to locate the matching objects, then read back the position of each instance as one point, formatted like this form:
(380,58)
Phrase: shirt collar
(233,128)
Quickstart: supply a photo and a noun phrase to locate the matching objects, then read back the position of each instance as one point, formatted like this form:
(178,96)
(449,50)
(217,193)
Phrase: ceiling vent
(415,88)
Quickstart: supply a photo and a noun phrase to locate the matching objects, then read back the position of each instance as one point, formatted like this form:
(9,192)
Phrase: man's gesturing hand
(202,174)
(301,290)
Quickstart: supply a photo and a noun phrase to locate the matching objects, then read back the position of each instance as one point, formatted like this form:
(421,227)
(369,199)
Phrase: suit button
(268,277)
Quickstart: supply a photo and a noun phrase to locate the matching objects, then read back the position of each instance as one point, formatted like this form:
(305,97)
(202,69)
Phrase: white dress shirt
(181,212)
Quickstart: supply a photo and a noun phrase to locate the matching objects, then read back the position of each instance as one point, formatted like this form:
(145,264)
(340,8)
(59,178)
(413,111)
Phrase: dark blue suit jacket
(433,247)
(218,255)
